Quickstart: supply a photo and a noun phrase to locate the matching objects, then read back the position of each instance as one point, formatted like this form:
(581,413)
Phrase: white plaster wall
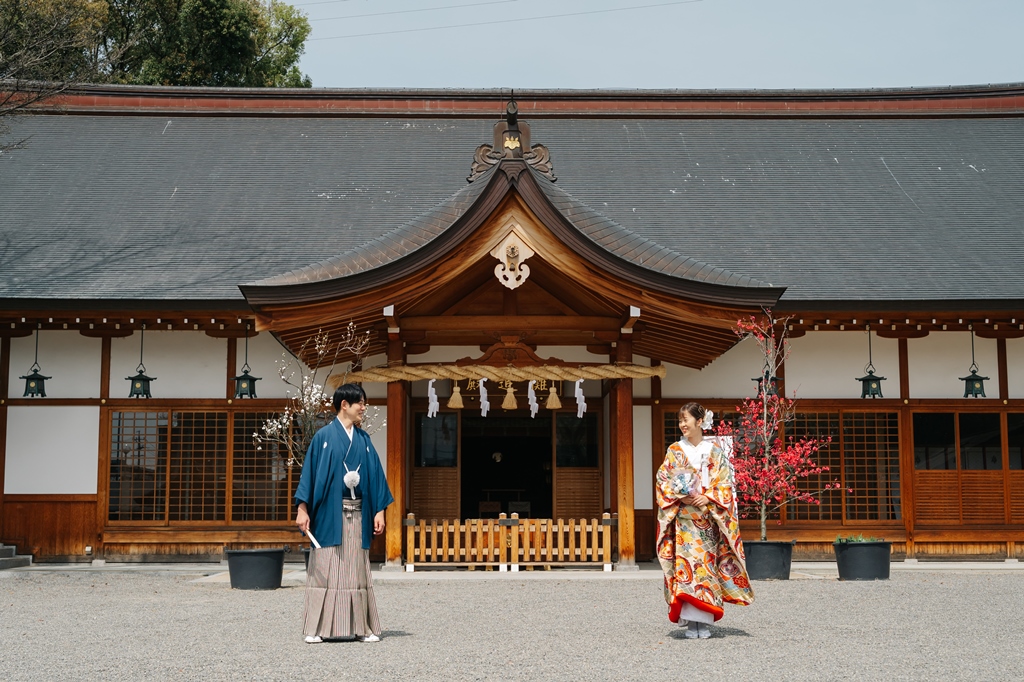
(643,458)
(71,359)
(1014,367)
(265,357)
(641,387)
(52,450)
(825,364)
(186,364)
(727,377)
(438,354)
(939,360)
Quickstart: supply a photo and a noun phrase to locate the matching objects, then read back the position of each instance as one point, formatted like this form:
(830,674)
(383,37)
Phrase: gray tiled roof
(630,245)
(390,246)
(188,208)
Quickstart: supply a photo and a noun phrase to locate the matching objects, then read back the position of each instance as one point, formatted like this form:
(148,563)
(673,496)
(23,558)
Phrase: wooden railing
(509,542)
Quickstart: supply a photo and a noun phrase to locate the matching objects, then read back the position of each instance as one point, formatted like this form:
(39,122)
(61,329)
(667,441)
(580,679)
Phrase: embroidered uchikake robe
(700,549)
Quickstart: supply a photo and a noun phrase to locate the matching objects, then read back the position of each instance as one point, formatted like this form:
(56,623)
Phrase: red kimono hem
(677,606)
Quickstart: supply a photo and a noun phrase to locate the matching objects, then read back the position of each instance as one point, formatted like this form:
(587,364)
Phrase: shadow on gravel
(716,633)
(395,633)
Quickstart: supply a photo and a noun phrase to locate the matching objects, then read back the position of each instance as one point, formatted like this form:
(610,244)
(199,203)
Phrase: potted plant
(767,468)
(289,433)
(862,558)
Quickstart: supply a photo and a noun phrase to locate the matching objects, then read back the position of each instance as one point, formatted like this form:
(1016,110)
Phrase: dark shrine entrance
(507,460)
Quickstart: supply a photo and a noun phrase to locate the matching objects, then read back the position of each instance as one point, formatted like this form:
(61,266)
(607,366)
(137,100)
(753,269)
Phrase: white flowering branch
(309,406)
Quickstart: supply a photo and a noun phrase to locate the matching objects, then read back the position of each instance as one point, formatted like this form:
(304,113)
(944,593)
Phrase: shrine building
(543,283)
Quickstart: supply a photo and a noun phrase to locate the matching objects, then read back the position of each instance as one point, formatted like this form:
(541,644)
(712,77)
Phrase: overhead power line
(507,21)
(421,9)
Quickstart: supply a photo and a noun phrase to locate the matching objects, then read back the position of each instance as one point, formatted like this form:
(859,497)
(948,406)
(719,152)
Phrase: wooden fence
(509,542)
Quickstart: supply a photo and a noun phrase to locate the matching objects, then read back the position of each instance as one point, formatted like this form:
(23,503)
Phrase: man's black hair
(350,393)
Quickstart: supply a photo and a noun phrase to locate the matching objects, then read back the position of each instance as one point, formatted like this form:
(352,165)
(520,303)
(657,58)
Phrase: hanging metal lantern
(140,382)
(870,385)
(974,385)
(767,382)
(245,383)
(35,383)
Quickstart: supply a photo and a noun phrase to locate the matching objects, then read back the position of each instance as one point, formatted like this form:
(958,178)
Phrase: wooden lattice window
(671,432)
(819,426)
(198,466)
(871,466)
(262,483)
(138,467)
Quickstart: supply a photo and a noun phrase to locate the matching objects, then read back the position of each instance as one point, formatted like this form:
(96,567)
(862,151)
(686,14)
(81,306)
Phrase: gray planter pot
(768,560)
(255,569)
(863,560)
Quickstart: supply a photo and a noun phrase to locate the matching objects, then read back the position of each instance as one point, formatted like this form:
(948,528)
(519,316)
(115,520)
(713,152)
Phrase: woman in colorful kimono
(699,544)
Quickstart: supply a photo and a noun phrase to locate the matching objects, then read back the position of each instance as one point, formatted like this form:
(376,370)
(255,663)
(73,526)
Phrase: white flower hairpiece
(708,420)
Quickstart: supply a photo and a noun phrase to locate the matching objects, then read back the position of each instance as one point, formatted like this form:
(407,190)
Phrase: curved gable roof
(419,243)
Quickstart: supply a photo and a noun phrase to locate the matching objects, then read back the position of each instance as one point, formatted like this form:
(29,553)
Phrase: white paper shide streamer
(485,404)
(531,396)
(581,402)
(433,405)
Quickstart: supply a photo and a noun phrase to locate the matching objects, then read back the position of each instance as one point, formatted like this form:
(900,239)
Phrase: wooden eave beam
(986,324)
(502,323)
(220,323)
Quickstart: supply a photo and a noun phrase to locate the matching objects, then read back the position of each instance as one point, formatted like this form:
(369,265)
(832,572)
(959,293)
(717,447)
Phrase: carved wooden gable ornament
(511,253)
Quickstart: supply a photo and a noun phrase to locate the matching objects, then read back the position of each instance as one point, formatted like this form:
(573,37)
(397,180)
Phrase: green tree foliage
(44,45)
(39,38)
(226,43)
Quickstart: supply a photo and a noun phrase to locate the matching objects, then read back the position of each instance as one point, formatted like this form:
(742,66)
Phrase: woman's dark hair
(350,393)
(695,410)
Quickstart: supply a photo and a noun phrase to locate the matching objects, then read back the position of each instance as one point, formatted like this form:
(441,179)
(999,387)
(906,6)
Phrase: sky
(661,44)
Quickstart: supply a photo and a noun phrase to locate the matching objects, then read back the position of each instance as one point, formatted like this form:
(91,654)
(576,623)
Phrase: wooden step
(10,559)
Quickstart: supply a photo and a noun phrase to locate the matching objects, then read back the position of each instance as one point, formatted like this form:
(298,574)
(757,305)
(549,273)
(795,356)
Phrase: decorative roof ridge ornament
(511,141)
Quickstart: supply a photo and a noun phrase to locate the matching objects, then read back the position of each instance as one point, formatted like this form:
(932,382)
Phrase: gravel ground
(112,625)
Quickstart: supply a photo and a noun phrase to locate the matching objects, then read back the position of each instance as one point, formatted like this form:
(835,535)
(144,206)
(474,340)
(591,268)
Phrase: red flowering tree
(767,466)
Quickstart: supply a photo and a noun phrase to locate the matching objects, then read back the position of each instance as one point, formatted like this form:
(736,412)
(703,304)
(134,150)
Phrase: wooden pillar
(5,380)
(613,438)
(232,362)
(1004,374)
(398,396)
(904,355)
(906,449)
(622,453)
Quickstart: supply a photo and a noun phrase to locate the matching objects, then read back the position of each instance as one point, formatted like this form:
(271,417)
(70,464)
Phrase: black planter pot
(863,560)
(768,560)
(305,555)
(255,569)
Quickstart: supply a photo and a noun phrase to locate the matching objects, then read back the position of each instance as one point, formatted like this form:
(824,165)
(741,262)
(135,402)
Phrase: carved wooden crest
(511,140)
(511,271)
(538,157)
(510,351)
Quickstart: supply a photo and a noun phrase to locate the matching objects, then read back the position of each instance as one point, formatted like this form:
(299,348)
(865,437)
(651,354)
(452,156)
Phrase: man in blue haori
(341,498)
